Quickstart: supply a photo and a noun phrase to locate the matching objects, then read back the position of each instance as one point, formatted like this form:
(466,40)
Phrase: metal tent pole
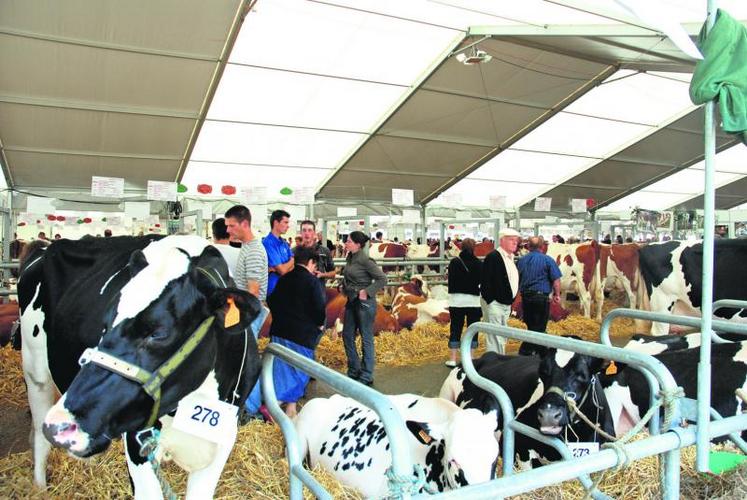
(706,305)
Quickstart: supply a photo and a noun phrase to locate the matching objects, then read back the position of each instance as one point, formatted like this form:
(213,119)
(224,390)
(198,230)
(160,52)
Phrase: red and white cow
(618,264)
(481,249)
(578,263)
(383,322)
(414,305)
(388,250)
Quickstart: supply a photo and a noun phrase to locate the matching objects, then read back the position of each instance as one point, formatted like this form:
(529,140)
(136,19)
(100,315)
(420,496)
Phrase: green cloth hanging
(722,74)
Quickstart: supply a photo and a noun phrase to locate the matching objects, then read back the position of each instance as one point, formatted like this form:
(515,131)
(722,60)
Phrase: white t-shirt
(231,255)
(511,271)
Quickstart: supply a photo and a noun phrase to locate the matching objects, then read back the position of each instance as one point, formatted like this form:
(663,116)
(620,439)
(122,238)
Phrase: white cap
(507,231)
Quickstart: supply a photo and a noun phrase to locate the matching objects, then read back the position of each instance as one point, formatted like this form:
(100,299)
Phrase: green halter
(151,382)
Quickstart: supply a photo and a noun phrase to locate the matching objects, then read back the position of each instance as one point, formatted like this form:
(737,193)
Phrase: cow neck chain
(148,441)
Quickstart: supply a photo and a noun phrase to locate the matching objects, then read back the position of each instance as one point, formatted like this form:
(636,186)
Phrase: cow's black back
(71,276)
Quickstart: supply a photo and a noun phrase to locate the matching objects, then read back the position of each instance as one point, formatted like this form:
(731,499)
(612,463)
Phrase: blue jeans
(359,316)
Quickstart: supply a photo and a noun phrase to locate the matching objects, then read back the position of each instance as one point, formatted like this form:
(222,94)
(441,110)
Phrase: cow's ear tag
(232,314)
(611,369)
(420,431)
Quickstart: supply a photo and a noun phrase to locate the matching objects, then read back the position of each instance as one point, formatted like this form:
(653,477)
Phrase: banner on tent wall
(161,191)
(255,195)
(411,216)
(497,202)
(303,195)
(347,211)
(107,187)
(39,205)
(139,210)
(578,205)
(115,220)
(542,204)
(403,197)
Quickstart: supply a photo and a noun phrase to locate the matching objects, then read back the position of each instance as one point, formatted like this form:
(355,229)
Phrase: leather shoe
(369,383)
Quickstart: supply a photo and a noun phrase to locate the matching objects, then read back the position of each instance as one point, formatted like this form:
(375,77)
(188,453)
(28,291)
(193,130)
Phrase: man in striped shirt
(251,266)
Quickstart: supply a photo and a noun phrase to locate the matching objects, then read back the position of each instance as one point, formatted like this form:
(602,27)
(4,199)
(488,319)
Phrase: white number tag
(210,419)
(583,449)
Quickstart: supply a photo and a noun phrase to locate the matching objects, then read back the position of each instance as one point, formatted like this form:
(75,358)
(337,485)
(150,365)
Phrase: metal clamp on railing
(402,465)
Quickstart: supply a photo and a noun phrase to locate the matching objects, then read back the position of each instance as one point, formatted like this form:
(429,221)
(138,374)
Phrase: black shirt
(298,307)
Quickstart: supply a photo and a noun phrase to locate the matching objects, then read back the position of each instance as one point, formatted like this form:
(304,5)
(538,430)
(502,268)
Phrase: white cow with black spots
(453,446)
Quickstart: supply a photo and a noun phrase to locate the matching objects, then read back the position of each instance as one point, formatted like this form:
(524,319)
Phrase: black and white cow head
(167,297)
(459,454)
(564,374)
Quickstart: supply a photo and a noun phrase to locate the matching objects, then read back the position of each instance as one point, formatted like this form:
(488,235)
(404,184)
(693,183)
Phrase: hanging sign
(403,197)
(107,187)
(452,199)
(497,202)
(161,191)
(542,204)
(578,205)
(347,211)
(255,195)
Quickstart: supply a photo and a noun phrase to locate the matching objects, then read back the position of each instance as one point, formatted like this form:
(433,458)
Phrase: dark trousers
(360,316)
(536,310)
(458,315)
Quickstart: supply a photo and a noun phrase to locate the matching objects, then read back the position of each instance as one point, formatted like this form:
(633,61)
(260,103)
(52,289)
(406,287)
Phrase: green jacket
(722,74)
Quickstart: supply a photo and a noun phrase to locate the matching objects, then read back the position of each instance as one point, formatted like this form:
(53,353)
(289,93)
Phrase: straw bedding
(257,467)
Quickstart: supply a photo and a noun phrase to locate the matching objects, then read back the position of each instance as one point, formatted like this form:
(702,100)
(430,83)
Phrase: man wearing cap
(499,285)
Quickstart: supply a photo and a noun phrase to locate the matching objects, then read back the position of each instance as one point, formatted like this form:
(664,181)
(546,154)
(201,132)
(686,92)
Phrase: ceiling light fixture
(475,56)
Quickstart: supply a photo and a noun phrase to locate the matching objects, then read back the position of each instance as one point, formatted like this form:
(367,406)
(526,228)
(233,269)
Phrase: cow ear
(599,365)
(234,309)
(137,262)
(210,270)
(424,433)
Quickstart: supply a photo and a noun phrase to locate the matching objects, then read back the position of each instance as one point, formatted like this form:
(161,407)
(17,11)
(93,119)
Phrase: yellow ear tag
(232,315)
(425,436)
(611,369)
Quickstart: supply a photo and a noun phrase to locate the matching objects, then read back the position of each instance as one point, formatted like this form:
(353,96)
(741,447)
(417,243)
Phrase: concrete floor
(424,380)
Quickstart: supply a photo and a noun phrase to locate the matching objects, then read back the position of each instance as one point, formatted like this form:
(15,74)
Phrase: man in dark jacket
(499,285)
(464,296)
(298,306)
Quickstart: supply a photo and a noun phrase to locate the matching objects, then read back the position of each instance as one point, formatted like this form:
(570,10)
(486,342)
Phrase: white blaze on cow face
(72,437)
(149,284)
(562,357)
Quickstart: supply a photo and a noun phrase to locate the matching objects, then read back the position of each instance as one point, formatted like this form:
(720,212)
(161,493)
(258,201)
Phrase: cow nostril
(557,415)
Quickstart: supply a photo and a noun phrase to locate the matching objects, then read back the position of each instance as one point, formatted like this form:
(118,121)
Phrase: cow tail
(642,300)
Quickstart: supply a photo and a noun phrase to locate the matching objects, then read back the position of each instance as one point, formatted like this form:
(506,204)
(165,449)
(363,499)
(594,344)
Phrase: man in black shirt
(325,267)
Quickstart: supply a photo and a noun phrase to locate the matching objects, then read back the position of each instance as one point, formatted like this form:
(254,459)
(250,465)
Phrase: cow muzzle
(552,418)
(62,430)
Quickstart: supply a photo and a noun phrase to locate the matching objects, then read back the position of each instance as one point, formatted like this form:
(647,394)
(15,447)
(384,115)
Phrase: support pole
(702,444)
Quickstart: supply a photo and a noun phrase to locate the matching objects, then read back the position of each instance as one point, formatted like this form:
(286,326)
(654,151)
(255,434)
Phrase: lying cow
(413,304)
(124,306)
(453,446)
(656,344)
(627,391)
(672,275)
(533,384)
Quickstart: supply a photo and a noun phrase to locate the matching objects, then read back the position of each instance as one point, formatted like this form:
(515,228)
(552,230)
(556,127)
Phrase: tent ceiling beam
(102,154)
(104,45)
(90,106)
(241,12)
(397,172)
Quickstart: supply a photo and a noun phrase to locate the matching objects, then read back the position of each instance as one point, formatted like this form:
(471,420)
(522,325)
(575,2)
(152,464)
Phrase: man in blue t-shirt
(279,256)
(539,279)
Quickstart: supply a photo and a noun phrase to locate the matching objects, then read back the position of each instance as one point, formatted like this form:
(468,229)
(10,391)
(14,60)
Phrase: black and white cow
(656,344)
(672,275)
(627,391)
(139,300)
(528,382)
(454,447)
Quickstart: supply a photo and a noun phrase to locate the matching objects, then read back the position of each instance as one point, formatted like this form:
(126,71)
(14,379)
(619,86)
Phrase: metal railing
(391,419)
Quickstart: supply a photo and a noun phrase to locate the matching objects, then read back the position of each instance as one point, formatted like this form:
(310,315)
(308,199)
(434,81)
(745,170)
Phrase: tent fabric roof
(355,97)
(105,88)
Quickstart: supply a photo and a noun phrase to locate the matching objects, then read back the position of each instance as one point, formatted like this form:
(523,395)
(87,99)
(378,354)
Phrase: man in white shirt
(221,241)
(499,285)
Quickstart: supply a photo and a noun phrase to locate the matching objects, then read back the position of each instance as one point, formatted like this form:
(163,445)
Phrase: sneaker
(266,414)
(451,363)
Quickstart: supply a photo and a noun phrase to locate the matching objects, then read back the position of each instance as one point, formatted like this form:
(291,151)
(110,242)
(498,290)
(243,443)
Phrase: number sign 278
(203,414)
